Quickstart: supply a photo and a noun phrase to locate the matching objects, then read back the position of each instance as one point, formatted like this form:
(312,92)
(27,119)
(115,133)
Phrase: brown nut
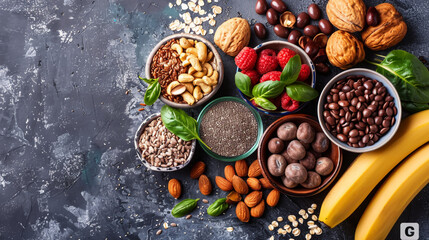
(232,36)
(276,165)
(287,19)
(305,133)
(389,32)
(296,172)
(320,143)
(288,183)
(303,40)
(324,166)
(287,131)
(344,50)
(313,180)
(289,160)
(296,150)
(275,145)
(347,15)
(309,161)
(320,40)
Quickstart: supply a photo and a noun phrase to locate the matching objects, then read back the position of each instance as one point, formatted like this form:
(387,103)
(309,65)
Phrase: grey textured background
(68,166)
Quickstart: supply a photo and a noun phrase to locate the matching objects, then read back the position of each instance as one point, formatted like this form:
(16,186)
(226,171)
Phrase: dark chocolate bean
(302,20)
(272,16)
(260,30)
(311,30)
(314,11)
(261,7)
(294,36)
(281,31)
(326,26)
(278,5)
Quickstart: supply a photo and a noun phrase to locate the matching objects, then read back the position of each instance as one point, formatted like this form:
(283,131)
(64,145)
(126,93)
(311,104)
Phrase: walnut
(344,50)
(347,15)
(389,32)
(232,36)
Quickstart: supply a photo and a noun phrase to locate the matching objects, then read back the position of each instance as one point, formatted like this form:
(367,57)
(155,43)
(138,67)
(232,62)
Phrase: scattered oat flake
(209,1)
(217,9)
(158,232)
(184,6)
(212,22)
(165,225)
(201,2)
(211,31)
(271,238)
(173,224)
(197,21)
(178,2)
(229,229)
(170,5)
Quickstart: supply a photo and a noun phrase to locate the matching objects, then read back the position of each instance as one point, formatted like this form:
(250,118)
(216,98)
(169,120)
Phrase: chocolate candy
(260,30)
(261,7)
(311,49)
(294,36)
(325,26)
(278,5)
(281,31)
(302,20)
(272,16)
(311,30)
(314,11)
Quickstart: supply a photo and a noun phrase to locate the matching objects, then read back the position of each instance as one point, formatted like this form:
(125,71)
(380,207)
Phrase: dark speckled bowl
(139,152)
(333,152)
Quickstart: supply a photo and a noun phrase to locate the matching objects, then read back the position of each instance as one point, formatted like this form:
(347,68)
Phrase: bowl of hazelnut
(296,156)
(188,68)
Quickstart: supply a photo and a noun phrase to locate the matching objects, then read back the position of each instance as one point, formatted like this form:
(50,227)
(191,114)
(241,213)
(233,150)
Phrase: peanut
(184,43)
(201,51)
(188,98)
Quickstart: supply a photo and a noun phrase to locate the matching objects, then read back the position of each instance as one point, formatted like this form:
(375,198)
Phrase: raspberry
(304,73)
(277,101)
(273,76)
(246,58)
(288,103)
(269,52)
(284,55)
(253,74)
(266,63)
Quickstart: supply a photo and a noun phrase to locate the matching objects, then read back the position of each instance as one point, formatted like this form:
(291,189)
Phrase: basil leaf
(149,81)
(218,207)
(265,103)
(152,93)
(180,124)
(302,92)
(268,89)
(291,71)
(415,107)
(243,83)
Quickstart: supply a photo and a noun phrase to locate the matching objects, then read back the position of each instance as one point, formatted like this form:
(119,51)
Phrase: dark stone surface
(68,166)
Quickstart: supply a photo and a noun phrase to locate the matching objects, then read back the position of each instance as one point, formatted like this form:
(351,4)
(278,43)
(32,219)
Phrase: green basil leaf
(152,93)
(149,81)
(291,71)
(243,83)
(415,107)
(268,89)
(218,207)
(180,124)
(302,92)
(184,207)
(265,103)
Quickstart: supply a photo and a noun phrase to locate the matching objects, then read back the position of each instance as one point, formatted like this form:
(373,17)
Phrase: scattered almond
(233,197)
(253,198)
(241,168)
(239,185)
(198,169)
(273,198)
(205,185)
(242,212)
(265,183)
(254,183)
(174,188)
(258,210)
(229,172)
(254,169)
(223,184)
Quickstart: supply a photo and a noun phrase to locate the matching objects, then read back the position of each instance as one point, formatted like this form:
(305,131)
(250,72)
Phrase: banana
(402,185)
(369,169)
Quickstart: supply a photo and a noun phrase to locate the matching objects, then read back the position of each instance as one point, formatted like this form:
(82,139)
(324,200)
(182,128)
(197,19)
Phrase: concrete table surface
(68,166)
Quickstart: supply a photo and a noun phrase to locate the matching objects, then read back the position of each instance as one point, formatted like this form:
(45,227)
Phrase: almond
(265,183)
(241,168)
(223,184)
(254,169)
(258,210)
(273,198)
(205,185)
(254,183)
(239,185)
(229,172)
(242,212)
(253,198)
(233,197)
(174,188)
(198,169)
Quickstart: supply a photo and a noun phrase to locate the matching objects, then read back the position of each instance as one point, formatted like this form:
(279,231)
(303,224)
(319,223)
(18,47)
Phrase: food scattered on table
(174,188)
(359,111)
(229,128)
(232,36)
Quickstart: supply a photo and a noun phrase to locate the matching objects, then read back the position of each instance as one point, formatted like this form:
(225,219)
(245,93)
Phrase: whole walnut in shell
(389,32)
(347,15)
(232,36)
(344,50)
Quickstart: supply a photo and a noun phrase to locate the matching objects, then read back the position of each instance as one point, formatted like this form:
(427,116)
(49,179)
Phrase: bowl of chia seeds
(230,127)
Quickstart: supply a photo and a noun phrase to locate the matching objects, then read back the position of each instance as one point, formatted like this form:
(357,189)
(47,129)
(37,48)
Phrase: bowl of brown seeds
(159,149)
(188,68)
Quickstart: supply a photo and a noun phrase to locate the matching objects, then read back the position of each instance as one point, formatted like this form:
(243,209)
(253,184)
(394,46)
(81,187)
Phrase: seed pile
(229,128)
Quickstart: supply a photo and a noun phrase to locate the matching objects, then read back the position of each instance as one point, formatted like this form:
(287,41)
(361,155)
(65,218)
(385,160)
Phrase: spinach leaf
(265,103)
(291,71)
(149,81)
(409,76)
(268,89)
(243,83)
(180,124)
(152,93)
(302,92)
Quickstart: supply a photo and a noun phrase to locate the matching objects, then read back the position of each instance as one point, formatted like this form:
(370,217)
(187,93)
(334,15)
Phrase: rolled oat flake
(229,128)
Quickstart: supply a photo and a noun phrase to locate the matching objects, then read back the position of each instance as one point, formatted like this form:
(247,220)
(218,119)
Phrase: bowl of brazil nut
(296,156)
(159,149)
(188,68)
(359,110)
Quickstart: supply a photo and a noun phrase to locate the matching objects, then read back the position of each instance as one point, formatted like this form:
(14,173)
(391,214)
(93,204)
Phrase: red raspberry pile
(268,65)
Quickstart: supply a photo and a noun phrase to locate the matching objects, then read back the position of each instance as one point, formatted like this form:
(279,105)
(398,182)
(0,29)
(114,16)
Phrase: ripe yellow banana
(368,169)
(402,185)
